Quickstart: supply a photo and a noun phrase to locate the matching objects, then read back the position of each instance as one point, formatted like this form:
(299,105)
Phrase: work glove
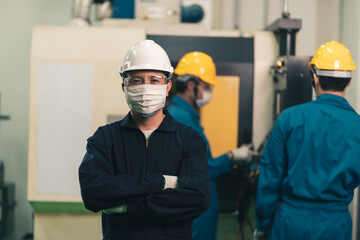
(260,235)
(170,181)
(119,209)
(242,154)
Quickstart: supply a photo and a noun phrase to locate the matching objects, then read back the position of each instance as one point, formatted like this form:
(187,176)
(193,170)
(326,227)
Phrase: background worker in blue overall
(195,78)
(310,165)
(147,173)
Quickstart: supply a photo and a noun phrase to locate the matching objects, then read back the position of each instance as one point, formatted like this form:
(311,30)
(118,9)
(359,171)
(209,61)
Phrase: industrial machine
(290,72)
(7,204)
(169,11)
(264,85)
(7,198)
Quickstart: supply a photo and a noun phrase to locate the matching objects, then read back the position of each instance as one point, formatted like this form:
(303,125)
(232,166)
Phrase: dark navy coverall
(121,168)
(311,165)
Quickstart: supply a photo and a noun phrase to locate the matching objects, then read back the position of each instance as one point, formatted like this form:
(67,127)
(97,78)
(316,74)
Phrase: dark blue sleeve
(101,188)
(272,166)
(190,199)
(219,165)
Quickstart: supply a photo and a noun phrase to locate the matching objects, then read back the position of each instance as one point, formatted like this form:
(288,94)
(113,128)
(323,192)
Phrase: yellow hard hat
(198,64)
(333,56)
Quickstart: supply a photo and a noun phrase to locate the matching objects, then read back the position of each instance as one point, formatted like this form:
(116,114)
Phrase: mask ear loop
(168,77)
(311,73)
(196,81)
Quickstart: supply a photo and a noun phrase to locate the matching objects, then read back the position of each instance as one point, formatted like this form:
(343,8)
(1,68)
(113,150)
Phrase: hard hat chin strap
(312,77)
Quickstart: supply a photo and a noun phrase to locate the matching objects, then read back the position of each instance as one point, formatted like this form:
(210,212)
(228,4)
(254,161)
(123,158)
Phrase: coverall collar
(334,100)
(167,125)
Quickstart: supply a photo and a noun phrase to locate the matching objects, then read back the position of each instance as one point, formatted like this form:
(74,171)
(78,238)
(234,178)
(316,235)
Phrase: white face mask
(146,99)
(206,97)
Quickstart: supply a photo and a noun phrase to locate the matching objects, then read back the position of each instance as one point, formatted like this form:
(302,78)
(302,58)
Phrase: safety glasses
(145,79)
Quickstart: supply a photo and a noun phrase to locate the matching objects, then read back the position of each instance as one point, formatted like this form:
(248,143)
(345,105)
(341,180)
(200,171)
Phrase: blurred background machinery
(170,11)
(7,204)
(7,197)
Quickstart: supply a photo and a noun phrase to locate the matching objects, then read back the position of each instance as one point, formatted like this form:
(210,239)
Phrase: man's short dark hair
(181,85)
(333,84)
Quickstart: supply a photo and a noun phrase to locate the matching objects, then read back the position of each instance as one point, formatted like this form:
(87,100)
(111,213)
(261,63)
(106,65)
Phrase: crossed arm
(145,197)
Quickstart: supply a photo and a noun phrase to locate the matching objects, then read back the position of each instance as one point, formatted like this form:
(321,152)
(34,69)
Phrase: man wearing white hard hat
(147,173)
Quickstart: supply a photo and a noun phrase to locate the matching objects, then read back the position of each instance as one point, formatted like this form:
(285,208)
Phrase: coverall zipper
(147,151)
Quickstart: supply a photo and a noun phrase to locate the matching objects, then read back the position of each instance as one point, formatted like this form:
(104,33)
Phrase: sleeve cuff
(157,183)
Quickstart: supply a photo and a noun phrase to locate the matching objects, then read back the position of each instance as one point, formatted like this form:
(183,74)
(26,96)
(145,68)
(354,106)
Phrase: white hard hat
(146,55)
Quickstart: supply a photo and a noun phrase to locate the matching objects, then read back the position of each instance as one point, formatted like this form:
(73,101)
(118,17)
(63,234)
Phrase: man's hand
(243,153)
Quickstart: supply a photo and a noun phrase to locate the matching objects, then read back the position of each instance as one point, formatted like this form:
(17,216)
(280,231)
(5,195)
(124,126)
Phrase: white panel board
(65,110)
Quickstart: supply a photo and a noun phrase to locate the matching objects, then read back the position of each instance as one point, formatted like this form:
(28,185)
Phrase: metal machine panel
(123,9)
(64,60)
(65,51)
(292,82)
(7,207)
(67,226)
(158,10)
(7,204)
(299,89)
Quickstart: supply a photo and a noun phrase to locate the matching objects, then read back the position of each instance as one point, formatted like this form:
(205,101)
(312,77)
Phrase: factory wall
(350,36)
(320,18)
(323,20)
